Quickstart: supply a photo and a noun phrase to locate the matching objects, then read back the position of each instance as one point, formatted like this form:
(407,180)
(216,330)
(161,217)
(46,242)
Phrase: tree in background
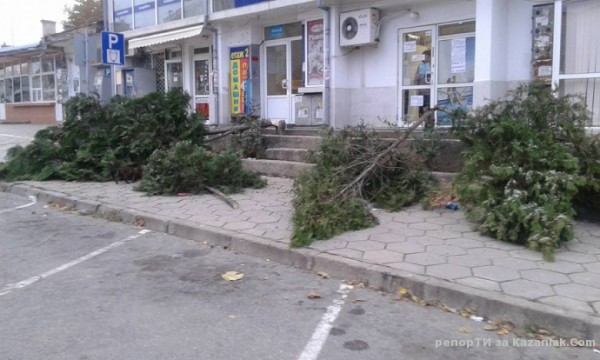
(83,12)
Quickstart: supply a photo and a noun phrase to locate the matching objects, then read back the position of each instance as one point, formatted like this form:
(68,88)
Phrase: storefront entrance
(283,77)
(202,82)
(437,68)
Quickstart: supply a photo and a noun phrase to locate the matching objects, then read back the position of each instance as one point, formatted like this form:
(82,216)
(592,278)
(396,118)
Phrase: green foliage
(527,158)
(321,212)
(110,142)
(83,12)
(250,142)
(189,168)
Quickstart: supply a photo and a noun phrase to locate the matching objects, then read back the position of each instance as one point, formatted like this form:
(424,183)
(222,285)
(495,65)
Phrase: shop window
(8,89)
(25,89)
(48,87)
(123,15)
(580,47)
(2,91)
(144,13)
(169,10)
(36,66)
(193,8)
(47,63)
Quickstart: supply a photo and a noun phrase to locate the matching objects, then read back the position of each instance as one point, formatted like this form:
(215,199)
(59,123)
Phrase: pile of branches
(355,168)
(529,167)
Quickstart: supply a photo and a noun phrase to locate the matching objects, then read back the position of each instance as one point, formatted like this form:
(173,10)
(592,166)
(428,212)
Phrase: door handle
(284,83)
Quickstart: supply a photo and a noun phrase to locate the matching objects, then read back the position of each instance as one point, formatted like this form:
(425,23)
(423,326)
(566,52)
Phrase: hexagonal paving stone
(461,228)
(468,260)
(366,245)
(424,226)
(406,247)
(331,244)
(596,306)
(425,214)
(350,253)
(583,248)
(480,283)
(465,243)
(593,267)
(239,225)
(516,264)
(443,234)
(407,218)
(545,276)
(413,268)
(425,259)
(567,303)
(488,253)
(501,245)
(477,236)
(495,273)
(442,221)
(577,291)
(383,256)
(576,257)
(388,238)
(564,267)
(425,240)
(586,278)
(527,289)
(448,271)
(447,250)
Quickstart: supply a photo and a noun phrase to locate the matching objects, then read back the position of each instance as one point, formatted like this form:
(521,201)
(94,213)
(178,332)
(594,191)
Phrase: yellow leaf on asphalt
(465,330)
(323,274)
(232,276)
(313,295)
(503,332)
(490,327)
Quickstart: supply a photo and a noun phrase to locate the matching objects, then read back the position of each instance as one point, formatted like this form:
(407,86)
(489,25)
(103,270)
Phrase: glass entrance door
(202,85)
(283,69)
(417,81)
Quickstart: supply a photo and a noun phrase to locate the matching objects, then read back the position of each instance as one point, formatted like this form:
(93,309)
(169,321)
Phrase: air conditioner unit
(358,27)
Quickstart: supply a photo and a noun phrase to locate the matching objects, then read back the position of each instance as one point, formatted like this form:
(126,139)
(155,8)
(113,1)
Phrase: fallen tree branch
(223,197)
(379,161)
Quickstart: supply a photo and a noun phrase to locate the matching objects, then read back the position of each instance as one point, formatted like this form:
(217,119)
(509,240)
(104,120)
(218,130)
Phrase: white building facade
(342,62)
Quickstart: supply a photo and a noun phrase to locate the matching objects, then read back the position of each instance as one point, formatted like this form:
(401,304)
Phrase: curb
(486,303)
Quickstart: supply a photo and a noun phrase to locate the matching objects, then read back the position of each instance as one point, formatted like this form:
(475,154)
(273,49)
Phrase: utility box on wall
(308,109)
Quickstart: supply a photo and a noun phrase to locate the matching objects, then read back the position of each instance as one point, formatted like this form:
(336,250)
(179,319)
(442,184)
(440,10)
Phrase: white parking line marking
(17,136)
(20,285)
(313,348)
(33,202)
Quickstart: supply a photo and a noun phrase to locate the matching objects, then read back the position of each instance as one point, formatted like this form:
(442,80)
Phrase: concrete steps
(286,154)
(277,168)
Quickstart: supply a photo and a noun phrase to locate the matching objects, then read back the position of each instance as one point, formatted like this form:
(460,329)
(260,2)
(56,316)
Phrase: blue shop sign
(167,2)
(240,3)
(276,32)
(144,7)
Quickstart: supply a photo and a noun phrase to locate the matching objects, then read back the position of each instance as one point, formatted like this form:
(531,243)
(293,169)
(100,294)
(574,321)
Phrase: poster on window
(315,60)
(459,56)
(239,62)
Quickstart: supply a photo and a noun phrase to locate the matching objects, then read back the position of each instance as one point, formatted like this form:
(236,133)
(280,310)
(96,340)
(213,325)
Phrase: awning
(165,37)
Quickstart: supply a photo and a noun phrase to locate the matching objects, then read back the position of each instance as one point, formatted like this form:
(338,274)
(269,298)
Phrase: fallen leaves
(323,274)
(313,295)
(465,330)
(232,276)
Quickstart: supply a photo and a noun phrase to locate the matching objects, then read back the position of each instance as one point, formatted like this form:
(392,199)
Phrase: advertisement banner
(239,64)
(314,42)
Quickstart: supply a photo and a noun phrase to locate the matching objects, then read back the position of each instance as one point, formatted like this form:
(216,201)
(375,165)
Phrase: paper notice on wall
(545,71)
(459,56)
(410,46)
(416,100)
(418,57)
(541,20)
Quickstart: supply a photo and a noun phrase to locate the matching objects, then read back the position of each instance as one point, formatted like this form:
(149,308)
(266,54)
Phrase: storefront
(35,80)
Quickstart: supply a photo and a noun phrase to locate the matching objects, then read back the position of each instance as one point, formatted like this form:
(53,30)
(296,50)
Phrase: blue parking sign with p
(113,48)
